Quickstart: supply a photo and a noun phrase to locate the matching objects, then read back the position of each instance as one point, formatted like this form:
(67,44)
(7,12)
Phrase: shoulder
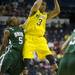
(9,28)
(34,13)
(6,31)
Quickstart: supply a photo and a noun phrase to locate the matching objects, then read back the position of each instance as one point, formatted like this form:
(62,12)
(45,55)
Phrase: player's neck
(42,11)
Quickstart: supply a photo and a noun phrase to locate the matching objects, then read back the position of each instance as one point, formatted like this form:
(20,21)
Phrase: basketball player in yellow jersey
(34,28)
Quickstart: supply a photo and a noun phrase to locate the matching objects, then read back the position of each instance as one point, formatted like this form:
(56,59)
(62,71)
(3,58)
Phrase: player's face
(43,6)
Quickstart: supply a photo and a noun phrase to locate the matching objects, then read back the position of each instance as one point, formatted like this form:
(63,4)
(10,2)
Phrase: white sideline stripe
(2,58)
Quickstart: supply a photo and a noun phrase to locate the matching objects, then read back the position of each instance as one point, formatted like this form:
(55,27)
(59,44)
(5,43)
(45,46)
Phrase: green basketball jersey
(71,45)
(16,37)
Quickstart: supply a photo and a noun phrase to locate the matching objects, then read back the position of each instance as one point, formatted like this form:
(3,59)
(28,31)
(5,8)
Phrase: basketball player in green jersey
(10,60)
(67,63)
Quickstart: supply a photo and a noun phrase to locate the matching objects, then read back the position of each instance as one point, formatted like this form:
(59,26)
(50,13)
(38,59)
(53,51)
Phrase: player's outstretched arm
(4,40)
(35,7)
(55,11)
(65,43)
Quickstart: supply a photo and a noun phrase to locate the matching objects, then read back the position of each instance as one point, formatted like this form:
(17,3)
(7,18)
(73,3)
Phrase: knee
(51,59)
(26,63)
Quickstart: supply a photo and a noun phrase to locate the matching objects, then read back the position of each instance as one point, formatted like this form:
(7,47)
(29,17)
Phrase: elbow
(4,46)
(57,11)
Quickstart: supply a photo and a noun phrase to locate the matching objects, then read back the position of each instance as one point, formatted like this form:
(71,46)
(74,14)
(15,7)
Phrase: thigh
(43,49)
(63,66)
(16,63)
(28,49)
(10,59)
(6,62)
(16,68)
(71,64)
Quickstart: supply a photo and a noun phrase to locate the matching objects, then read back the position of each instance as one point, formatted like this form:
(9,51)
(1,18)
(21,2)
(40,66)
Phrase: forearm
(57,7)
(2,48)
(4,44)
(36,5)
(4,41)
(55,11)
(65,44)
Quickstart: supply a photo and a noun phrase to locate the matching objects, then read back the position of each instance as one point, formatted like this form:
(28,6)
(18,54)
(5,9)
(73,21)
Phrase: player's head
(43,6)
(13,21)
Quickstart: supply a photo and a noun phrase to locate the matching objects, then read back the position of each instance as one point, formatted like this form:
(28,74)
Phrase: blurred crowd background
(58,29)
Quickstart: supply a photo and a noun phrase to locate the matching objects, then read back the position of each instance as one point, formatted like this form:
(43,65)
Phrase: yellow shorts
(35,44)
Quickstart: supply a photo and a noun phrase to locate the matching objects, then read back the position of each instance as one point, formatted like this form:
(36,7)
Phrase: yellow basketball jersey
(36,24)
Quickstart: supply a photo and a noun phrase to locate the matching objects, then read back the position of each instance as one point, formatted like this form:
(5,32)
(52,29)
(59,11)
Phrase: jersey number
(20,40)
(40,21)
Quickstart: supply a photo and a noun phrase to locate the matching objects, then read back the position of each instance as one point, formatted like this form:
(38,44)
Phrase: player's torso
(71,45)
(16,37)
(36,24)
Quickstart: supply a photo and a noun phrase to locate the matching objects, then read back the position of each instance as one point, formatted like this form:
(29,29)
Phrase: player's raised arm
(35,7)
(66,42)
(55,11)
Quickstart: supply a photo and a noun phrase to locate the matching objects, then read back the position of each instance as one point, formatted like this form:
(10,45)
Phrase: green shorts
(67,65)
(12,62)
